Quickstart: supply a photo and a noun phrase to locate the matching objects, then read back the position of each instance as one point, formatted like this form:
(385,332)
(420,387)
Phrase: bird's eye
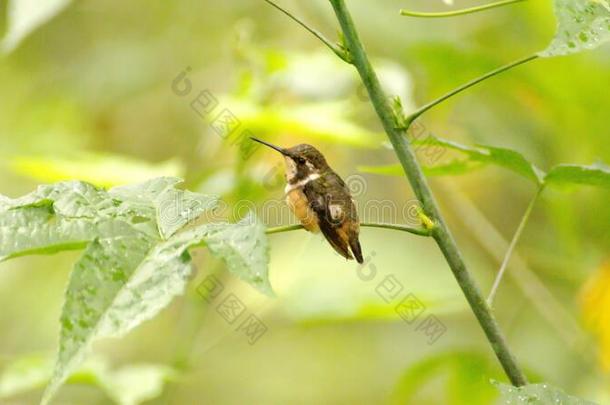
(301,160)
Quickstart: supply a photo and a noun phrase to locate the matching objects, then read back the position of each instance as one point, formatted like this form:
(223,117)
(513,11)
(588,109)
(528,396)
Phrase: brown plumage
(320,199)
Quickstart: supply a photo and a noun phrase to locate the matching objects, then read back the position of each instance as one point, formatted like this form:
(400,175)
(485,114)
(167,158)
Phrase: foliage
(581,25)
(537,394)
(466,376)
(128,385)
(136,256)
(134,262)
(475,157)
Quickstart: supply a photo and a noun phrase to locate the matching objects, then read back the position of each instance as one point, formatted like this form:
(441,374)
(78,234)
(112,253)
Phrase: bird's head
(301,160)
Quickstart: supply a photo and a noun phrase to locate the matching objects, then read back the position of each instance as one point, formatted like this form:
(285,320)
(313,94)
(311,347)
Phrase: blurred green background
(91,94)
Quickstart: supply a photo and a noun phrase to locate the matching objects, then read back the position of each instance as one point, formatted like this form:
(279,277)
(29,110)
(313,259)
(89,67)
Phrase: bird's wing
(319,196)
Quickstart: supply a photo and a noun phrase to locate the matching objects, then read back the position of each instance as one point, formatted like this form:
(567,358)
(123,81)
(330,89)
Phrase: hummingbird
(320,199)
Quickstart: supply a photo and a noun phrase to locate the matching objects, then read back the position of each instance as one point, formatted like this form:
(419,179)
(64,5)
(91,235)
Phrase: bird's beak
(272,146)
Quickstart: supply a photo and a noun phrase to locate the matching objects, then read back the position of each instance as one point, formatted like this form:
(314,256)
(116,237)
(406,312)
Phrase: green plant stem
(511,248)
(465,86)
(333,47)
(403,228)
(454,13)
(414,173)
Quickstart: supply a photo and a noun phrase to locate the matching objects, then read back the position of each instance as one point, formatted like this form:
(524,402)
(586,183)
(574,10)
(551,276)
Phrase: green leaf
(173,208)
(594,175)
(24,16)
(243,246)
(135,384)
(465,376)
(134,263)
(122,281)
(91,309)
(475,157)
(452,168)
(24,374)
(507,158)
(537,394)
(53,218)
(581,25)
(100,169)
(36,230)
(128,385)
(513,161)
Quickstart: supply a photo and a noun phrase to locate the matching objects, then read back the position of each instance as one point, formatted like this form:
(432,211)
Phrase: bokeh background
(92,94)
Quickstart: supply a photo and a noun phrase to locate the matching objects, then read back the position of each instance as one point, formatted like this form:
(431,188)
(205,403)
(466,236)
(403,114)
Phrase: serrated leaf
(52,218)
(24,16)
(36,230)
(127,274)
(173,208)
(103,170)
(537,394)
(594,175)
(96,281)
(581,25)
(122,281)
(243,246)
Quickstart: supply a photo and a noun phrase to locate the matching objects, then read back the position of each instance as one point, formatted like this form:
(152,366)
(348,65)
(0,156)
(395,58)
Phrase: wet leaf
(134,264)
(243,246)
(173,208)
(581,25)
(537,394)
(89,310)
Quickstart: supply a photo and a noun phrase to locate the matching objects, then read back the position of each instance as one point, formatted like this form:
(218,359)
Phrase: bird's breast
(298,203)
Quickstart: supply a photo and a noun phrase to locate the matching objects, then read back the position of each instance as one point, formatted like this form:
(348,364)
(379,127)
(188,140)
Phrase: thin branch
(465,86)
(414,173)
(511,247)
(492,241)
(454,13)
(333,47)
(403,228)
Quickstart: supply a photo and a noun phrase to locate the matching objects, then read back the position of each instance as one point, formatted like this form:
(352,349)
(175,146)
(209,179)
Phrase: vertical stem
(511,247)
(414,173)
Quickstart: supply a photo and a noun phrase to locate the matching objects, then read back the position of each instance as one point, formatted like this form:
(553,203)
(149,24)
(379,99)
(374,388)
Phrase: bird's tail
(354,244)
